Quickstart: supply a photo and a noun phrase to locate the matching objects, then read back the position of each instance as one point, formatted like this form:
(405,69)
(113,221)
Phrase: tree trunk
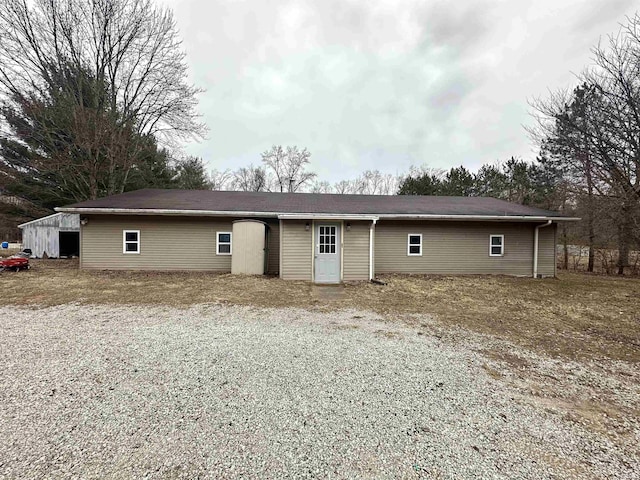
(565,247)
(590,215)
(93,187)
(625,233)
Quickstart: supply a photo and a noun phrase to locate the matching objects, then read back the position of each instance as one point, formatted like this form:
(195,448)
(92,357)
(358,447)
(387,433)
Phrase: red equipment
(15,262)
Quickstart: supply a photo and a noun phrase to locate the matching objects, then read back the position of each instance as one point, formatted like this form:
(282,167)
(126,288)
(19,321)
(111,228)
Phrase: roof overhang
(157,211)
(313,216)
(326,216)
(479,218)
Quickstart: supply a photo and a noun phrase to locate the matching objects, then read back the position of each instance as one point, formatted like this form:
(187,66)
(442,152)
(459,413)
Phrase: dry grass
(575,316)
(7,252)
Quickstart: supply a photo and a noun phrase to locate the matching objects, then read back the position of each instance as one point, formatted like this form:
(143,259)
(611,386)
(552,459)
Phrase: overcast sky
(382,84)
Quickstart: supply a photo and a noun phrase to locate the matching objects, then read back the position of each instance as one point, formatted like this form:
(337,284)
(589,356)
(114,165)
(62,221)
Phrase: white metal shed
(56,235)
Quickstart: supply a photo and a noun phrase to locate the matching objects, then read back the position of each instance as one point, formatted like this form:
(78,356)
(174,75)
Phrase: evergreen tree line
(514,180)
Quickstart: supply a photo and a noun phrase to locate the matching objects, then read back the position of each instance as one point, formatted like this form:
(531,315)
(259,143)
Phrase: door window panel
(327,240)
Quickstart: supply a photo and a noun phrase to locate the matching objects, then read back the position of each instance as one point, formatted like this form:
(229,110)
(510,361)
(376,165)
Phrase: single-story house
(54,236)
(324,238)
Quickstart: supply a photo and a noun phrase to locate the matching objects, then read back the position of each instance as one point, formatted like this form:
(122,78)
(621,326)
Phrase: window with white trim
(414,244)
(223,243)
(131,241)
(496,245)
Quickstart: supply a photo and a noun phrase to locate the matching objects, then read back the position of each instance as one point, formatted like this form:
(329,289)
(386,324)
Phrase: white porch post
(372,228)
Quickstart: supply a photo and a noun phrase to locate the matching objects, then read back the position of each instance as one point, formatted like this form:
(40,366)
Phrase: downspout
(535,246)
(371,230)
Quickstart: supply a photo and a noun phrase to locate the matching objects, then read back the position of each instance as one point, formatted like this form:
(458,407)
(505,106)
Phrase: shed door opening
(69,244)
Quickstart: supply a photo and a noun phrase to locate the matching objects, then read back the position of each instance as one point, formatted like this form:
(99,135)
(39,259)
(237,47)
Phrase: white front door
(327,253)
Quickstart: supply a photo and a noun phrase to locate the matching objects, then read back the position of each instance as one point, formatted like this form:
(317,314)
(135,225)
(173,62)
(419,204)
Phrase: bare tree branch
(131,46)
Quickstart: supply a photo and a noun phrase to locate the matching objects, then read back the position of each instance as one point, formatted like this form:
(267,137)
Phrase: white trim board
(40,219)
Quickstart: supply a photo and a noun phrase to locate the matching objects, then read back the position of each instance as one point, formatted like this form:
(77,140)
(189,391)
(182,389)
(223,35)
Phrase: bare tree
(598,128)
(129,47)
(374,182)
(250,179)
(221,179)
(321,187)
(419,170)
(98,82)
(617,142)
(345,186)
(370,182)
(289,167)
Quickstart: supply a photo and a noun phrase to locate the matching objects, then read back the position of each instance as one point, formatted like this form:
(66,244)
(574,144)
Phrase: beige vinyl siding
(273,263)
(296,250)
(460,248)
(356,251)
(166,243)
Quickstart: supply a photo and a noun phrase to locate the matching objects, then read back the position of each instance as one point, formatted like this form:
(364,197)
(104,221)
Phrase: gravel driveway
(230,392)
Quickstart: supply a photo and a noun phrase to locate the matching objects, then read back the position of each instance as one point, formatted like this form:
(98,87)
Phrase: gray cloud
(459,28)
(381,84)
(590,19)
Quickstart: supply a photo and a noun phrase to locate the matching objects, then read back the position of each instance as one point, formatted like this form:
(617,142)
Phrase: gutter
(317,216)
(504,218)
(535,246)
(163,211)
(326,216)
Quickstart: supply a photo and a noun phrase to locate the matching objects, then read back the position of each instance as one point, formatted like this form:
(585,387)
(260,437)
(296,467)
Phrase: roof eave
(303,215)
(22,225)
(327,216)
(170,212)
(500,218)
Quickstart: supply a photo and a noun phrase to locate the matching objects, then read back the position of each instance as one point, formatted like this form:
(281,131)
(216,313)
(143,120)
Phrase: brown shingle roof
(272,204)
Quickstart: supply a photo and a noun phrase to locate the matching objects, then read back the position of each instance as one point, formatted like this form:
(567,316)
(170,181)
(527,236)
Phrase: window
(327,241)
(414,244)
(496,245)
(131,241)
(224,243)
